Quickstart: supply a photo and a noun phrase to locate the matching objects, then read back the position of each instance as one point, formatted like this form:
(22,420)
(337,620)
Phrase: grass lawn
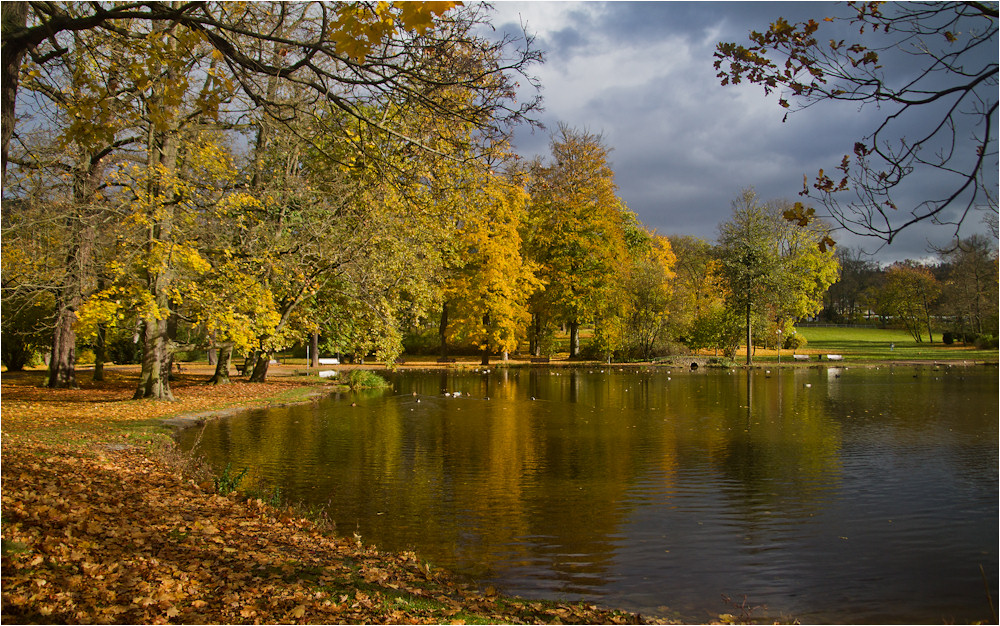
(878,344)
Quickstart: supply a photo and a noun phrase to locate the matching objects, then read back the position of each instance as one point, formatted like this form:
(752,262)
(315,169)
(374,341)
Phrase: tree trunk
(13,17)
(260,366)
(314,347)
(574,339)
(749,341)
(536,336)
(212,352)
(486,346)
(62,363)
(162,149)
(927,318)
(221,376)
(443,330)
(154,382)
(171,339)
(100,353)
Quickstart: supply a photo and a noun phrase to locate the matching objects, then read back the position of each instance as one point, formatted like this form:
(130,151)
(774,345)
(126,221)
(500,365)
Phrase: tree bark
(486,346)
(574,339)
(443,330)
(536,336)
(154,382)
(221,376)
(749,341)
(162,149)
(927,319)
(100,353)
(212,352)
(62,363)
(13,16)
(314,350)
(260,366)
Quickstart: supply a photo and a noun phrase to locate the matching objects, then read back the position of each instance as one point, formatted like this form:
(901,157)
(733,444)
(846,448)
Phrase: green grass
(884,344)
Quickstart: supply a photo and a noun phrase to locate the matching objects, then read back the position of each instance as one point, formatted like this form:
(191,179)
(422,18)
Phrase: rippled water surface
(824,495)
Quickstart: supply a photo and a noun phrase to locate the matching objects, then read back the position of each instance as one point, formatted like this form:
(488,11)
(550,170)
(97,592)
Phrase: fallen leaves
(95,532)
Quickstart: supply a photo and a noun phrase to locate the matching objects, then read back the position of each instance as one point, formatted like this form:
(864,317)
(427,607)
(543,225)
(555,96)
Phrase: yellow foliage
(360,27)
(490,291)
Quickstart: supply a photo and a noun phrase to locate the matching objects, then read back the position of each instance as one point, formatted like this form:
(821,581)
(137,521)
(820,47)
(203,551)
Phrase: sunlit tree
(909,295)
(574,232)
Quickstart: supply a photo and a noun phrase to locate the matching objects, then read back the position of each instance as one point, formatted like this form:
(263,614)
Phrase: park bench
(834,357)
(329,361)
(800,357)
(540,359)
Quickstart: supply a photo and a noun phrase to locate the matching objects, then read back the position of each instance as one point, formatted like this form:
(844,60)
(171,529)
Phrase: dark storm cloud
(641,74)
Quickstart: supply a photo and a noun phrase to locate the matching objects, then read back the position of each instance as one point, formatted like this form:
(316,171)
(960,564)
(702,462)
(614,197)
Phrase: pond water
(842,495)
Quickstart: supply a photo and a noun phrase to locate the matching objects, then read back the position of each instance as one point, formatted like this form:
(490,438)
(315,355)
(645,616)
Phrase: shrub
(422,341)
(721,362)
(948,338)
(365,379)
(794,341)
(190,356)
(987,342)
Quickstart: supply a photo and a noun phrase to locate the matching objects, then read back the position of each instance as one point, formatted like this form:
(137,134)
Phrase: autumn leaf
(101,531)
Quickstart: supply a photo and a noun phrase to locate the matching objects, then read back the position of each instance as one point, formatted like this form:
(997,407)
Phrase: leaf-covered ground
(103,523)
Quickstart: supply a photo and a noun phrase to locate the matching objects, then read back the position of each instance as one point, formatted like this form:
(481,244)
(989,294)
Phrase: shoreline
(104,521)
(70,438)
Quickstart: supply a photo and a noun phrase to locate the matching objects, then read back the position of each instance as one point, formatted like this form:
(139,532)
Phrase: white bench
(834,357)
(329,361)
(800,357)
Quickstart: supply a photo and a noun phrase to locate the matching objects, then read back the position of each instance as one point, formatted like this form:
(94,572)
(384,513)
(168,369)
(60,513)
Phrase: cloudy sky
(640,74)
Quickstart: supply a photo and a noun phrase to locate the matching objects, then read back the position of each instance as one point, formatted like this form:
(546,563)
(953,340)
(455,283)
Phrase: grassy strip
(104,522)
(878,344)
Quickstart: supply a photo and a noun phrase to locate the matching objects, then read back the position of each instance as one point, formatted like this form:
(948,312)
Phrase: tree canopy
(767,266)
(242,178)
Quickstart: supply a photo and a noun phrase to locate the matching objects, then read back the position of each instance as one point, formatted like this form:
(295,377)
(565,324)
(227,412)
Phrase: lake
(823,494)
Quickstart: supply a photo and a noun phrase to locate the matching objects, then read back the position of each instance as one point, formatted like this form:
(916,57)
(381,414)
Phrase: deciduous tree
(909,295)
(970,286)
(648,290)
(695,292)
(488,291)
(768,266)
(575,231)
(348,54)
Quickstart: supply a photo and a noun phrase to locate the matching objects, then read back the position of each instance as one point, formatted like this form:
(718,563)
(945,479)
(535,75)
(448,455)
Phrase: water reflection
(827,494)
